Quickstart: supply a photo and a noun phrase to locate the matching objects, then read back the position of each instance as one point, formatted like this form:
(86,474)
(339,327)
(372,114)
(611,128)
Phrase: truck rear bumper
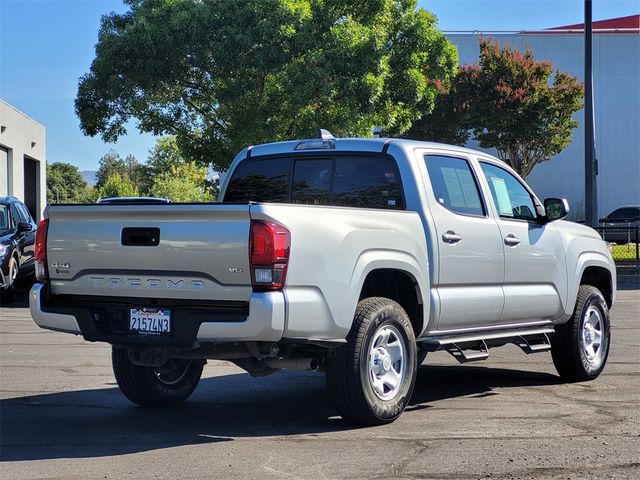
(51,321)
(264,323)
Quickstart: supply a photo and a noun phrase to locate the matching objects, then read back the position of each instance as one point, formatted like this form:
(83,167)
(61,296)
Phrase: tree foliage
(128,168)
(510,102)
(166,173)
(224,74)
(117,185)
(65,184)
(164,156)
(183,183)
(449,121)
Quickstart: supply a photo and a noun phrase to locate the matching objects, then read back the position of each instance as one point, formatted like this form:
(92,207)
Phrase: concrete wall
(22,137)
(616,77)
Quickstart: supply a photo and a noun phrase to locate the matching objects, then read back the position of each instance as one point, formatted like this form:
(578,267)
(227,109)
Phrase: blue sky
(46,45)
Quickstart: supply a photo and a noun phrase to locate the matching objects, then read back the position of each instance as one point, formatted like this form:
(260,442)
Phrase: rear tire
(372,377)
(171,384)
(580,347)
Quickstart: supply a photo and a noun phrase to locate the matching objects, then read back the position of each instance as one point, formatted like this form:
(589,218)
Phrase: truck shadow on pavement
(101,422)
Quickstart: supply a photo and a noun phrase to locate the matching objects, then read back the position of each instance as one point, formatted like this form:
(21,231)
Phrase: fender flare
(586,260)
(379,259)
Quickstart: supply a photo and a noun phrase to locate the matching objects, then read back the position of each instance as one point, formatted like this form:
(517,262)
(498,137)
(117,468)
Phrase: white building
(616,80)
(23,159)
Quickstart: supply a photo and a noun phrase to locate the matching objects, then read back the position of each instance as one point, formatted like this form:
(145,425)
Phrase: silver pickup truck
(356,257)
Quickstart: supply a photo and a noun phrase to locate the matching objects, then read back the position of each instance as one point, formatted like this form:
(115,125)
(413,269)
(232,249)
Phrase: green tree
(510,102)
(449,121)
(135,171)
(109,164)
(163,158)
(117,185)
(221,75)
(183,183)
(65,184)
(164,155)
(129,168)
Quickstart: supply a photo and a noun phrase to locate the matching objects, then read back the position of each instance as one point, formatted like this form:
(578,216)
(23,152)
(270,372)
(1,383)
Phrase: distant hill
(89,176)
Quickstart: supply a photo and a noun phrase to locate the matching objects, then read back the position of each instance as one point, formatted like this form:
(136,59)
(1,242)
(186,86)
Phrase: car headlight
(3,250)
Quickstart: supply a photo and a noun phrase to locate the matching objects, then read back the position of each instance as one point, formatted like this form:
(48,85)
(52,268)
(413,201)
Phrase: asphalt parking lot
(62,417)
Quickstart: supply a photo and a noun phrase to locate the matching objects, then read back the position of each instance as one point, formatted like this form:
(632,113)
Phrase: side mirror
(24,227)
(556,208)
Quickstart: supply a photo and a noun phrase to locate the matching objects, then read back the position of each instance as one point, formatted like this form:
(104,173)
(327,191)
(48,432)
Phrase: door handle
(451,237)
(511,240)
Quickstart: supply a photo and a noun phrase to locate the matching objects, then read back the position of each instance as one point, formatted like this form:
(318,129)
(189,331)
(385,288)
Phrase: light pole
(590,158)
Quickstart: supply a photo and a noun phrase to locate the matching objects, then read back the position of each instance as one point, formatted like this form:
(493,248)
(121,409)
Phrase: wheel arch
(593,268)
(400,285)
(600,278)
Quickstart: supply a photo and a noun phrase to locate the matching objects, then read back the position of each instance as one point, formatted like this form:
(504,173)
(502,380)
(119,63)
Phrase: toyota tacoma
(355,257)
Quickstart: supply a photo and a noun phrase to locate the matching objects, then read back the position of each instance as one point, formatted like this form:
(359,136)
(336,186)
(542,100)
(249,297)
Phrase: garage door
(4,172)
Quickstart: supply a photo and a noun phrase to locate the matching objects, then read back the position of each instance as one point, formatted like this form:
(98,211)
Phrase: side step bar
(534,344)
(473,347)
(464,355)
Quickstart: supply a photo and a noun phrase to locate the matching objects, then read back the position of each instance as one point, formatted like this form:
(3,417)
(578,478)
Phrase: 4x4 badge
(61,267)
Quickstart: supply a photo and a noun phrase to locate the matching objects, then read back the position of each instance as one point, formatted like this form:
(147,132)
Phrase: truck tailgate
(191,252)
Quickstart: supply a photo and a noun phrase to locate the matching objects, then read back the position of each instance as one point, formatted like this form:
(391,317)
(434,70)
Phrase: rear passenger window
(454,185)
(260,181)
(368,182)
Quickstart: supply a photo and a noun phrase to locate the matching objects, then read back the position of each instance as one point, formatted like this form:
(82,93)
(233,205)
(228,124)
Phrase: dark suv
(627,221)
(17,238)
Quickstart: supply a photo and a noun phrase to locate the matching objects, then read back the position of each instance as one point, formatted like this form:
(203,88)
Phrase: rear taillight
(42,272)
(269,252)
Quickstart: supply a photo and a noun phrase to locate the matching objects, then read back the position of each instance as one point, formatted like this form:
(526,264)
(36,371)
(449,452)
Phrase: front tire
(580,347)
(171,384)
(372,377)
(9,293)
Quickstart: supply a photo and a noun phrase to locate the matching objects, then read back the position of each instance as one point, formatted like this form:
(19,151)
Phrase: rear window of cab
(342,180)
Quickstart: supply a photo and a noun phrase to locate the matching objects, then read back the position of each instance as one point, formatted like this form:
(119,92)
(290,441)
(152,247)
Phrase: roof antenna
(325,134)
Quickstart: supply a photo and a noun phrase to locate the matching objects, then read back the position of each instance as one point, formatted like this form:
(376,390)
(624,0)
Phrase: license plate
(150,321)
